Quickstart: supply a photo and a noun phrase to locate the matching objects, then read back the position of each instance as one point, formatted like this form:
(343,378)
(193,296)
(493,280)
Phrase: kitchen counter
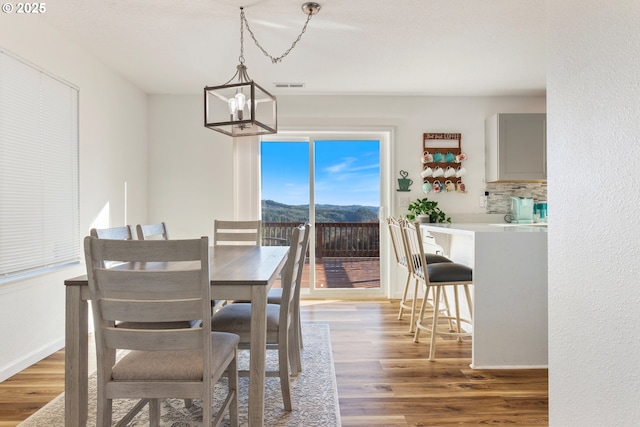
(472,228)
(509,264)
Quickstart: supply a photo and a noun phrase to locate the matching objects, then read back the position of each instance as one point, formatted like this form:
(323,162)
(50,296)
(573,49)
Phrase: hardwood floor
(26,392)
(383,378)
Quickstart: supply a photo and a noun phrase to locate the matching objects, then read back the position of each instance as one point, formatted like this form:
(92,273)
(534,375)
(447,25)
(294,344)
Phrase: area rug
(313,393)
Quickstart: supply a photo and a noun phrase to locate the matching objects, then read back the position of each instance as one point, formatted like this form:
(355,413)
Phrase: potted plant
(425,210)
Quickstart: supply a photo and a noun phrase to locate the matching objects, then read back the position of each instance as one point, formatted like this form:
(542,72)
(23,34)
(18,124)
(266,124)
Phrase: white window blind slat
(39,191)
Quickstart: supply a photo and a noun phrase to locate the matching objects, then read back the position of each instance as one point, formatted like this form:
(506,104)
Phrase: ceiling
(382,47)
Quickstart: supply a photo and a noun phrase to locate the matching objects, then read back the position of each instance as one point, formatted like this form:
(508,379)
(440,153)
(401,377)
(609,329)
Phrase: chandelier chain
(274,60)
(242,19)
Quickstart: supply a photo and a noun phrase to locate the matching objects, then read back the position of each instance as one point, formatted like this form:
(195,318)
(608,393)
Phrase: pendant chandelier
(241,107)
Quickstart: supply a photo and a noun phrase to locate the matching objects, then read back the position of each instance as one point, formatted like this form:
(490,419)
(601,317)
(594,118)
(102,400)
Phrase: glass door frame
(384,136)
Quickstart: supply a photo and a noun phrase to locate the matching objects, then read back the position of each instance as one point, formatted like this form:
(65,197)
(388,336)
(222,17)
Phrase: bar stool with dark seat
(437,277)
(397,241)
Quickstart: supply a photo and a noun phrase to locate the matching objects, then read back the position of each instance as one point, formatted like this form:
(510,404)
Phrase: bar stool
(437,277)
(399,250)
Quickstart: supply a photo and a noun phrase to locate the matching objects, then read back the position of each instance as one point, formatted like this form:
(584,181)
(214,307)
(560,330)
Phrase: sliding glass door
(334,183)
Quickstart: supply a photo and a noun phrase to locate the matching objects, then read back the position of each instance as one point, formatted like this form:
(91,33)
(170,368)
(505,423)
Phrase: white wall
(190,168)
(113,152)
(594,240)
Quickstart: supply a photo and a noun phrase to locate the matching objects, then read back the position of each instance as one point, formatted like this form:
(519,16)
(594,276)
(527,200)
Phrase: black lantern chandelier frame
(245,108)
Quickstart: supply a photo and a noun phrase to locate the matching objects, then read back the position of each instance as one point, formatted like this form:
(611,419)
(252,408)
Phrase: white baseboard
(30,359)
(472,366)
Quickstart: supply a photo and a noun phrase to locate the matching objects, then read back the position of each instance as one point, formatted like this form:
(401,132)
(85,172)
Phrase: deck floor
(344,273)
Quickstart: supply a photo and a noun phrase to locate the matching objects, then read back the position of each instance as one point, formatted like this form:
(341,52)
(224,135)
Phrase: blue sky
(346,172)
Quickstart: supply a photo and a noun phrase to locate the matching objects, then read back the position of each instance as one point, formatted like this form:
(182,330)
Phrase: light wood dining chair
(116,233)
(281,330)
(161,362)
(275,297)
(437,277)
(152,231)
(128,233)
(399,251)
(237,233)
(275,294)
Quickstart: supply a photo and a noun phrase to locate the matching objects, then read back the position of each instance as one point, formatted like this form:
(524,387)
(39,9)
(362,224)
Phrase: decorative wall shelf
(443,150)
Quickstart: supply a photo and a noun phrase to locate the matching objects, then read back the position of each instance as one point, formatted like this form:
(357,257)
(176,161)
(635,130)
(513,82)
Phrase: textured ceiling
(395,47)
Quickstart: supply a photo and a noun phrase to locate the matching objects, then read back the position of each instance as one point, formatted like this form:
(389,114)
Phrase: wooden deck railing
(333,239)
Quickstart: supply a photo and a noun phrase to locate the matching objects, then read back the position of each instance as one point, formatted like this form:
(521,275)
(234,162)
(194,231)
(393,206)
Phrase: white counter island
(510,290)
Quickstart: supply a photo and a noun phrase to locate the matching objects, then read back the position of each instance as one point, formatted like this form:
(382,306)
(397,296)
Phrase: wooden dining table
(237,272)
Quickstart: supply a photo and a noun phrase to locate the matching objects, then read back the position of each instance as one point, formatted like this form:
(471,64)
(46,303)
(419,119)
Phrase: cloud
(340,167)
(346,166)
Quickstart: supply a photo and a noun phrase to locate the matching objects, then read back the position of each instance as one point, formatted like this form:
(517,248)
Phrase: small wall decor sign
(403,182)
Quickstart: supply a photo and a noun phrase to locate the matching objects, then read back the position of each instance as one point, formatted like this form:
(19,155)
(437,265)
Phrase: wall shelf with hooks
(443,150)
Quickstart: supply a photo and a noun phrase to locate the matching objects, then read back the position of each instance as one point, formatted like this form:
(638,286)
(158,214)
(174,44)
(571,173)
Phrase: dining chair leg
(298,333)
(154,412)
(285,386)
(294,352)
(299,325)
(104,413)
(295,340)
(232,372)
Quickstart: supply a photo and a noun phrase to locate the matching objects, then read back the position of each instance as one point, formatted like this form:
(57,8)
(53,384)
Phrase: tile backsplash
(498,200)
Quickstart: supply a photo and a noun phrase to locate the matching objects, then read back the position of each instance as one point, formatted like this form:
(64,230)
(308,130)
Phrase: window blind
(39,195)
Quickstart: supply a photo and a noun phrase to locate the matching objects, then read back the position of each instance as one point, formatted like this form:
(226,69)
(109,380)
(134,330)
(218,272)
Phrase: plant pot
(423,218)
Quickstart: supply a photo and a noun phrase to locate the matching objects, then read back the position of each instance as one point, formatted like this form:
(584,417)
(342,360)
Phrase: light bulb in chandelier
(252,107)
(237,105)
(240,99)
(233,107)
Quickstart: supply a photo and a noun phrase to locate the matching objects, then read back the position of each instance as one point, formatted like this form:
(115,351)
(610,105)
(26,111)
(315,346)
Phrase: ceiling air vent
(289,85)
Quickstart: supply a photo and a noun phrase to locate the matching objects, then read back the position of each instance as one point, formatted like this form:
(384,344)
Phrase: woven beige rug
(313,393)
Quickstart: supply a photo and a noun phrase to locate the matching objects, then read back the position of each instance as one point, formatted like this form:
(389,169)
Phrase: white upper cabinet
(516,147)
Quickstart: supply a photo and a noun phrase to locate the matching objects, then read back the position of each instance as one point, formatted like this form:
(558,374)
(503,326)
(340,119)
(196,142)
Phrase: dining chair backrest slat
(237,233)
(152,231)
(115,233)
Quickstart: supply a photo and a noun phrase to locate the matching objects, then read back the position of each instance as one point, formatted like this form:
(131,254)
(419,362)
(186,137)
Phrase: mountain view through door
(334,184)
